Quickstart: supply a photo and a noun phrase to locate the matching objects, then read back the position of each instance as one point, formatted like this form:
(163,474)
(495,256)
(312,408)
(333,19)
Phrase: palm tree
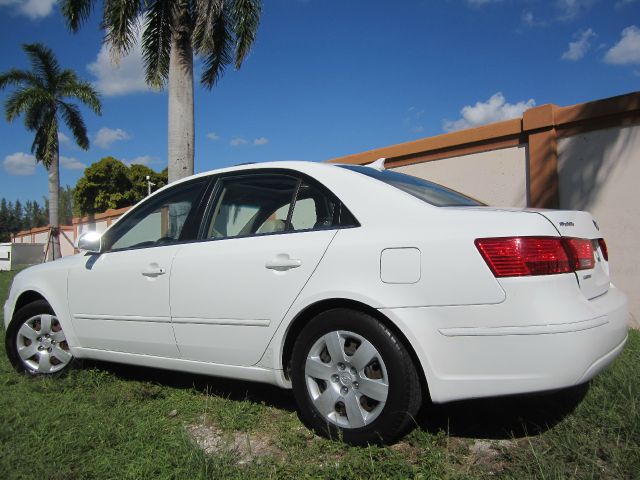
(41,97)
(218,31)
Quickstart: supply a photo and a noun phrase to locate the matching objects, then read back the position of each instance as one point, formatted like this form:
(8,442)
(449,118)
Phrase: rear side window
(256,204)
(252,205)
(314,210)
(426,191)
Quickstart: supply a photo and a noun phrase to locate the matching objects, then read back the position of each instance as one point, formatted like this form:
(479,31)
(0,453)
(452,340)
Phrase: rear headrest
(272,225)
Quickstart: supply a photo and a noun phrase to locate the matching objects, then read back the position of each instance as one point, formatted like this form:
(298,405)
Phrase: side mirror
(90,242)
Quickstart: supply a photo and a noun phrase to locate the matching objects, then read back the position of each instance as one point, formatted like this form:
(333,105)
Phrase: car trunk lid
(576,224)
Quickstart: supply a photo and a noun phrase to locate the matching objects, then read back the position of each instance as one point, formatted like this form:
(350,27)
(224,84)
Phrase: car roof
(346,184)
(303,166)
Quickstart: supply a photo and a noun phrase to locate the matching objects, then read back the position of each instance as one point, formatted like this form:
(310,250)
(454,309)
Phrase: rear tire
(354,379)
(35,342)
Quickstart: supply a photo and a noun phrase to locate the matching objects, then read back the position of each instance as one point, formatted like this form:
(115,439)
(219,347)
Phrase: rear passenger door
(260,242)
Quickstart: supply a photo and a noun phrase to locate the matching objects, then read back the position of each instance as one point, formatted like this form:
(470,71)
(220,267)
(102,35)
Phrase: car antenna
(378,164)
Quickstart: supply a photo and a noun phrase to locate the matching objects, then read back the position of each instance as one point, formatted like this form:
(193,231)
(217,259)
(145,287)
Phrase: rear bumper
(510,348)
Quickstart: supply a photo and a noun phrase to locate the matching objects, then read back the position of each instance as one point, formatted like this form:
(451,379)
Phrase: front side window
(161,221)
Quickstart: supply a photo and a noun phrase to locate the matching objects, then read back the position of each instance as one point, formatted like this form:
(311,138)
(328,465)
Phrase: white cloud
(63,139)
(32,9)
(126,75)
(624,3)
(106,136)
(627,50)
(415,113)
(581,46)
(237,141)
(527,18)
(570,9)
(71,163)
(530,20)
(412,120)
(261,141)
(493,110)
(563,11)
(141,160)
(20,164)
(213,136)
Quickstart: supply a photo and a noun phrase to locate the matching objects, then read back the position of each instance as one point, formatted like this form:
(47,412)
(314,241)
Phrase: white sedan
(364,290)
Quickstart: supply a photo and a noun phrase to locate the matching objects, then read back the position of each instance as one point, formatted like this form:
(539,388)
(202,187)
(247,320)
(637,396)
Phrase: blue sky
(328,78)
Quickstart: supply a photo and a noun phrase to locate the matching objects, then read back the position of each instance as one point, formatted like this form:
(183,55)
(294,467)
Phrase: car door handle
(282,262)
(153,271)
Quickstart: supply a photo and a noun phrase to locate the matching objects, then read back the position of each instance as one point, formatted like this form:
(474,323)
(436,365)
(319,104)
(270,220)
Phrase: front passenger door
(120,300)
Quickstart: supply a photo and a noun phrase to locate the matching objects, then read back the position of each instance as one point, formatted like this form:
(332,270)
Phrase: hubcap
(346,379)
(42,346)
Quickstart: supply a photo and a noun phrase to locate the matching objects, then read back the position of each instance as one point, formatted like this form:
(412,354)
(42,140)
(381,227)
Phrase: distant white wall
(600,172)
(496,178)
(5,256)
(66,244)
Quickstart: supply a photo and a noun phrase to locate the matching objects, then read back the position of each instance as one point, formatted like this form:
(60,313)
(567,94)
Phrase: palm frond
(72,86)
(245,15)
(45,143)
(17,77)
(35,115)
(156,41)
(66,77)
(73,119)
(206,13)
(43,62)
(19,101)
(213,40)
(120,21)
(40,97)
(39,140)
(76,12)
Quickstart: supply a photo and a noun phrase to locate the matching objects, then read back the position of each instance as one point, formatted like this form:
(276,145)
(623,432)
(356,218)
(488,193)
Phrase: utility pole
(149,185)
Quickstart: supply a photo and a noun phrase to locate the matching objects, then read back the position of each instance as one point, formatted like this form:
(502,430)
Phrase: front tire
(35,342)
(354,379)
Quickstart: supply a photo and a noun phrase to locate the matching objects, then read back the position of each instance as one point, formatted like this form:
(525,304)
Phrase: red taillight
(603,248)
(581,252)
(524,256)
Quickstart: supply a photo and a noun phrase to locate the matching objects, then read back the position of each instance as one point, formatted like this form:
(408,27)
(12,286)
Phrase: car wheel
(36,344)
(354,379)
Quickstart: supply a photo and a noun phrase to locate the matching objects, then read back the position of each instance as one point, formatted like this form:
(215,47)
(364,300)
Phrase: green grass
(107,421)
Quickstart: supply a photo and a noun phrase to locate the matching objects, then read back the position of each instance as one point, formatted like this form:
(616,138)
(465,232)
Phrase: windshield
(426,191)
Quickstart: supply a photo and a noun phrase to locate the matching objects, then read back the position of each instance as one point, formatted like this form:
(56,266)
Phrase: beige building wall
(497,178)
(67,245)
(599,172)
(99,226)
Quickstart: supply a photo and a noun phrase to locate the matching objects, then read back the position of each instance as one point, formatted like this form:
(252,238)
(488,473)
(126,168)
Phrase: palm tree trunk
(54,222)
(181,130)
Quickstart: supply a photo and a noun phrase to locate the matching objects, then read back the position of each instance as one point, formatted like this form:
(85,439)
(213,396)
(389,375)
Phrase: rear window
(426,191)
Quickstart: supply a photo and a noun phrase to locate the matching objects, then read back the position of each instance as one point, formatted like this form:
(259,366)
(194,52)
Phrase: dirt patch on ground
(246,447)
(488,455)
